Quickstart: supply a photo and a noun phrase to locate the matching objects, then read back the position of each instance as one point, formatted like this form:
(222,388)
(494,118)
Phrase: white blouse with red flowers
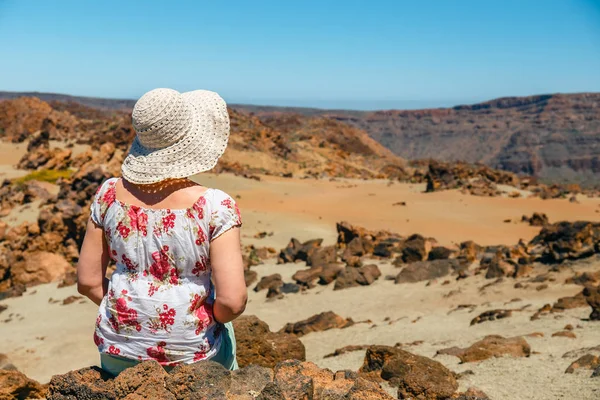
(159,300)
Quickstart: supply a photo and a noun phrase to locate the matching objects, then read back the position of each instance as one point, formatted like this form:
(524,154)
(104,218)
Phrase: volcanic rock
(256,344)
(15,385)
(319,322)
(440,253)
(567,334)
(490,346)
(329,272)
(416,376)
(566,241)
(588,361)
(353,276)
(592,296)
(426,270)
(322,256)
(269,281)
(39,267)
(537,219)
(86,383)
(415,248)
(307,277)
(491,315)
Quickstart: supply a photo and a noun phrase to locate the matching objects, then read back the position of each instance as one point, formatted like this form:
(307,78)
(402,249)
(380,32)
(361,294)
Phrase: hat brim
(197,151)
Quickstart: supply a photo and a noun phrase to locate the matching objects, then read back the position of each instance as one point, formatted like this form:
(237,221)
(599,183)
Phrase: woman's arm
(93,260)
(228,276)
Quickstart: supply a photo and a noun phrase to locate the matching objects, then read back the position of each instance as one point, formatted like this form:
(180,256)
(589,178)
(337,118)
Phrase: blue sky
(346,54)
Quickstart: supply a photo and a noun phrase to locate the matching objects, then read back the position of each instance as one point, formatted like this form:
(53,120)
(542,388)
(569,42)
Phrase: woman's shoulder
(108,184)
(220,198)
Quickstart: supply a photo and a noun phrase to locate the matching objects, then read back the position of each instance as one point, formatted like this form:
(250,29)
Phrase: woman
(179,275)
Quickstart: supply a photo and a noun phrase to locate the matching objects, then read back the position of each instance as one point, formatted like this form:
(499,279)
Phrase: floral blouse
(159,300)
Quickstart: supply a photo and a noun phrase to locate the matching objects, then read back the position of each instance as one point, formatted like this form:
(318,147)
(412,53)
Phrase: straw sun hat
(178,135)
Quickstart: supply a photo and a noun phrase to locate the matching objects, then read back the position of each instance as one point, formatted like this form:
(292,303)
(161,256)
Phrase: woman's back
(159,302)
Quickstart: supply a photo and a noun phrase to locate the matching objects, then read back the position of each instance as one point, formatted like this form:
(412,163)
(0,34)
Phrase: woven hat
(177,135)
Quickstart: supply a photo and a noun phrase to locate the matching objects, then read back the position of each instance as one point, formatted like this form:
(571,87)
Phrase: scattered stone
(583,351)
(592,297)
(39,267)
(329,272)
(567,334)
(427,270)
(585,279)
(86,383)
(471,394)
(415,376)
(490,346)
(415,248)
(347,349)
(262,235)
(296,251)
(250,277)
(535,334)
(304,380)
(6,364)
(361,276)
(269,281)
(256,344)
(322,256)
(566,241)
(308,277)
(491,315)
(71,299)
(440,253)
(537,219)
(568,327)
(15,385)
(320,322)
(588,361)
(563,303)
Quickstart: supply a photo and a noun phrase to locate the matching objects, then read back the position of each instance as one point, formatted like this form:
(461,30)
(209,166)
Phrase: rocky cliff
(553,137)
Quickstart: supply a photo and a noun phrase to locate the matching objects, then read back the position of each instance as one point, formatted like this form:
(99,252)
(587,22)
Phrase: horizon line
(270,105)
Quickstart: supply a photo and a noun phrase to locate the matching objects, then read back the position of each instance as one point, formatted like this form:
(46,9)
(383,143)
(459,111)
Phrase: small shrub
(44,175)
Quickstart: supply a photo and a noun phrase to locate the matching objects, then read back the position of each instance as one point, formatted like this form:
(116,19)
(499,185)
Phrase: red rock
(269,281)
(588,361)
(329,273)
(307,277)
(426,270)
(319,322)
(491,316)
(592,297)
(322,256)
(202,380)
(353,276)
(415,376)
(416,248)
(39,267)
(86,383)
(250,277)
(145,380)
(71,299)
(567,334)
(490,346)
(15,385)
(256,344)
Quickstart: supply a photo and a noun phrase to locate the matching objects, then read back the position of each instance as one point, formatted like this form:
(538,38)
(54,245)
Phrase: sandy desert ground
(43,337)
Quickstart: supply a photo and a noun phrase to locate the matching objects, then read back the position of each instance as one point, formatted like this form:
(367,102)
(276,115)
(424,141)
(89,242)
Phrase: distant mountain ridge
(555,137)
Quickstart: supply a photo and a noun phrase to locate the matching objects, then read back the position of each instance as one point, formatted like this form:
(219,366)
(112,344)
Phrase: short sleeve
(224,216)
(105,196)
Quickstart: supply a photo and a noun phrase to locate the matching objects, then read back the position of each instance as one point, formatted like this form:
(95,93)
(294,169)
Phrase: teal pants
(114,365)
